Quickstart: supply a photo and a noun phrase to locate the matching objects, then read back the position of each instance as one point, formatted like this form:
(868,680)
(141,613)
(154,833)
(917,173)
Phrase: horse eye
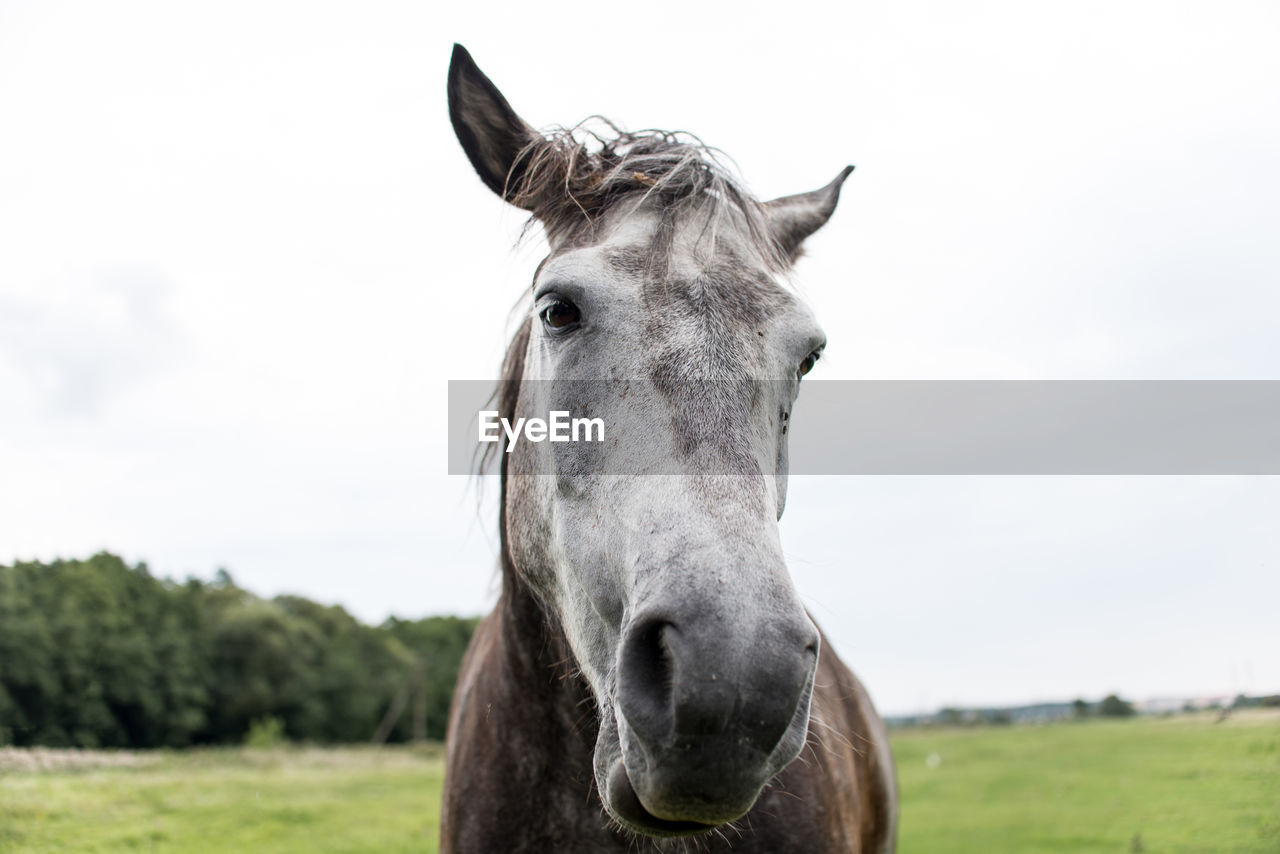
(559,315)
(809,361)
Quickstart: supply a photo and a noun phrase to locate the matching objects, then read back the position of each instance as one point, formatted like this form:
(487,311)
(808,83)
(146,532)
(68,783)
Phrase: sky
(241,254)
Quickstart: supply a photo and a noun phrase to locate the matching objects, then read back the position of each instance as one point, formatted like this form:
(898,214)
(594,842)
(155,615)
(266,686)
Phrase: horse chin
(624,805)
(618,795)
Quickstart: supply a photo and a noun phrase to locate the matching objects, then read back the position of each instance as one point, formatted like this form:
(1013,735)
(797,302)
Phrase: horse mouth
(624,805)
(714,779)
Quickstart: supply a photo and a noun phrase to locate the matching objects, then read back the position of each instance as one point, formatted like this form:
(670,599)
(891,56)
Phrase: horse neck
(535,643)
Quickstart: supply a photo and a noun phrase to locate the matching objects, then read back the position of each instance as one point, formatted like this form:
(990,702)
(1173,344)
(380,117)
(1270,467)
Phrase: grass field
(1181,784)
(279,801)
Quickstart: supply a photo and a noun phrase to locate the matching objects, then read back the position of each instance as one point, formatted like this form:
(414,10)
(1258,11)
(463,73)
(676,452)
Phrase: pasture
(1181,784)
(280,801)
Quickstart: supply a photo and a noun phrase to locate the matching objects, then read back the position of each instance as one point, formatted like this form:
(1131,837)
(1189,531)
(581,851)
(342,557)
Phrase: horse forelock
(569,178)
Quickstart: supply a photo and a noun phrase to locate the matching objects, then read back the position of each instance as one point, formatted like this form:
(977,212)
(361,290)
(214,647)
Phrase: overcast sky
(241,254)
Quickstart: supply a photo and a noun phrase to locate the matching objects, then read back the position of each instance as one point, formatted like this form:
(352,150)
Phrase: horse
(648,678)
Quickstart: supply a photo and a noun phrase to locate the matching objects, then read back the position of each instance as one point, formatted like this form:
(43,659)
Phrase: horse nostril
(811,638)
(646,674)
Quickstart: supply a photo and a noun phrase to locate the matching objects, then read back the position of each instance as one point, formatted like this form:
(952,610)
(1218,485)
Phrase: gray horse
(649,679)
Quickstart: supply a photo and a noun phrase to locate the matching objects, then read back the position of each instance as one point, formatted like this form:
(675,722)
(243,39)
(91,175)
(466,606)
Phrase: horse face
(657,549)
(670,586)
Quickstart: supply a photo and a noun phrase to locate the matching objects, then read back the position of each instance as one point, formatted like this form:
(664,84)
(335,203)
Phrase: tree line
(97,653)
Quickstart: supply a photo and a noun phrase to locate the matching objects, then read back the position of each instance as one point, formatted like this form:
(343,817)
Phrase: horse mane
(569,178)
(505,396)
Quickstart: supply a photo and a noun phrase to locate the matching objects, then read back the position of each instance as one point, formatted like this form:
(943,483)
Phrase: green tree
(98,653)
(949,716)
(1114,707)
(439,642)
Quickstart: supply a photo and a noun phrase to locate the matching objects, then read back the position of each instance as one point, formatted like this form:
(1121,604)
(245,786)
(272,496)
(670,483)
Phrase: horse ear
(491,133)
(793,218)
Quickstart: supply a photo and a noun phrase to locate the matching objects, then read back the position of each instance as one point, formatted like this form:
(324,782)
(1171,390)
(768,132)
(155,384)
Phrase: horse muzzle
(704,718)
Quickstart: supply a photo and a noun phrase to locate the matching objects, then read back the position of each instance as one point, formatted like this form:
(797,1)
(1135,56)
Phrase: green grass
(1185,784)
(306,800)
